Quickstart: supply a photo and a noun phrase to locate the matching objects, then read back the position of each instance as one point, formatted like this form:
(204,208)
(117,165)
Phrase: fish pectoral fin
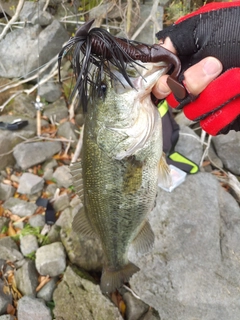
(76,172)
(144,240)
(112,280)
(164,177)
(81,225)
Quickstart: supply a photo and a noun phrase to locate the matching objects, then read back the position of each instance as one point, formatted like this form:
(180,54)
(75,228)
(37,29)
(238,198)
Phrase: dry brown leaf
(1,211)
(11,231)
(15,184)
(122,307)
(11,310)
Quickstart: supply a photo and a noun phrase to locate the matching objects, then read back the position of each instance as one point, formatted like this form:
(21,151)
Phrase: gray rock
(56,111)
(8,242)
(189,145)
(77,298)
(3,223)
(228,149)
(186,275)
(28,244)
(48,174)
(46,293)
(26,42)
(85,252)
(40,152)
(30,183)
(20,207)
(43,18)
(49,164)
(68,131)
(37,220)
(22,106)
(33,309)
(135,308)
(7,317)
(61,203)
(50,91)
(9,250)
(6,191)
(51,189)
(5,298)
(51,259)
(63,176)
(27,278)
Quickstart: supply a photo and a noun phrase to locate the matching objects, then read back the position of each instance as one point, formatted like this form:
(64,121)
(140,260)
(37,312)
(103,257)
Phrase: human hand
(197,38)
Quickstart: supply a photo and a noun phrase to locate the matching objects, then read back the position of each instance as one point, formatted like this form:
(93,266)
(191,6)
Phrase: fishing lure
(97,46)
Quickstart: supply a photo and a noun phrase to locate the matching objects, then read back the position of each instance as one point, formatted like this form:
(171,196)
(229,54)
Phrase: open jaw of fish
(121,163)
(122,156)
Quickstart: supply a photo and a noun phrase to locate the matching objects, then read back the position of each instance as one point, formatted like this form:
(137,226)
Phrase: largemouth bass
(121,163)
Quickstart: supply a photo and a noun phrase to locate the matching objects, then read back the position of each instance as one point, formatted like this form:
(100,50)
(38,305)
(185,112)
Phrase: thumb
(198,77)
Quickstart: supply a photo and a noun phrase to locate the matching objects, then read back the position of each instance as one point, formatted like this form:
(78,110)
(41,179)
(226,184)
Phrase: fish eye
(103,88)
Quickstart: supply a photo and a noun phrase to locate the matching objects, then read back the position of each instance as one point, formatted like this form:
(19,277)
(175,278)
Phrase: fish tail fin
(114,279)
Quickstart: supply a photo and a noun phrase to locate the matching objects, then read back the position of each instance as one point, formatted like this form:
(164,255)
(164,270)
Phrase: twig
(152,16)
(46,5)
(14,18)
(78,147)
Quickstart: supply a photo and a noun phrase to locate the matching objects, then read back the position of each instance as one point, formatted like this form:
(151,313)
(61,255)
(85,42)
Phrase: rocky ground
(49,272)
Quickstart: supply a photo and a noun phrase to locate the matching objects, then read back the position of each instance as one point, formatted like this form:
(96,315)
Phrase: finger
(161,90)
(198,77)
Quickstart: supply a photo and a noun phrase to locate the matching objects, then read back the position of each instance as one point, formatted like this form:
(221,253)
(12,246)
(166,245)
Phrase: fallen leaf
(11,310)
(122,307)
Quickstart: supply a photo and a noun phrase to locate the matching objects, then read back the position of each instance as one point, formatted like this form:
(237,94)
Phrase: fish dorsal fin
(76,172)
(144,240)
(81,224)
(164,177)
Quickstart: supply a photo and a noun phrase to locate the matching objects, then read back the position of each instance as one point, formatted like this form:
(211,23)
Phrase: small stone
(56,111)
(46,293)
(6,191)
(63,176)
(28,244)
(135,307)
(5,298)
(50,91)
(51,259)
(7,317)
(48,174)
(33,309)
(27,278)
(20,207)
(9,250)
(51,189)
(37,220)
(61,203)
(68,131)
(30,183)
(39,151)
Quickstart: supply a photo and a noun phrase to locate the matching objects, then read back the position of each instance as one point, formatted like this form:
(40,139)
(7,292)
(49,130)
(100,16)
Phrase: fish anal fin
(112,280)
(164,177)
(81,224)
(144,240)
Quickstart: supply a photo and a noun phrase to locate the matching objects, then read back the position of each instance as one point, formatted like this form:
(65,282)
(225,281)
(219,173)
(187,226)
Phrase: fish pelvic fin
(81,224)
(112,280)
(144,240)
(164,177)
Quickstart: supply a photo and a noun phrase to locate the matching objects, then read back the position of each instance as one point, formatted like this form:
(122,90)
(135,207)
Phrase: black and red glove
(213,30)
